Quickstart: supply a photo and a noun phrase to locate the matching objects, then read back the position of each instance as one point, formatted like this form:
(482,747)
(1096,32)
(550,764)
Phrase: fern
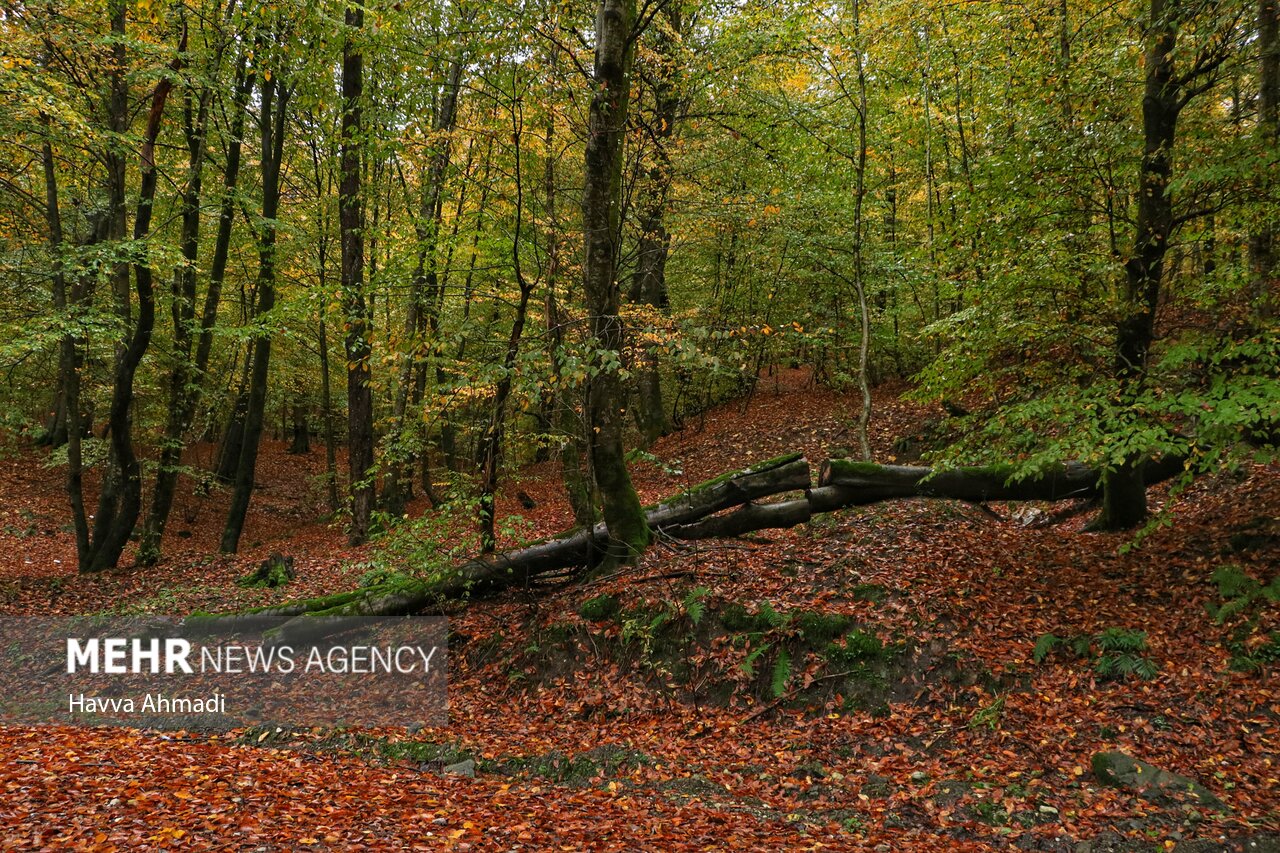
(781,674)
(1118,652)
(1241,593)
(748,666)
(1122,640)
(1119,666)
(1046,644)
(771,617)
(695,605)
(1232,581)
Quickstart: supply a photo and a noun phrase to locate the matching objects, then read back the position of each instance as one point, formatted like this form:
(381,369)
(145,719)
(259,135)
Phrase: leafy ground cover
(911,676)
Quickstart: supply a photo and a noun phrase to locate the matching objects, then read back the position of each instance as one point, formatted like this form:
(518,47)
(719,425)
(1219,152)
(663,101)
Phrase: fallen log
(307,621)
(697,513)
(861,483)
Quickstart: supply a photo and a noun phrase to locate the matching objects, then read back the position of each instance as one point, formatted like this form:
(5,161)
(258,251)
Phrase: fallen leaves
(956,581)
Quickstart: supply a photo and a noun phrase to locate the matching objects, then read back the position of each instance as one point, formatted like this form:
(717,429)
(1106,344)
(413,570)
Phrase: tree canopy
(542,229)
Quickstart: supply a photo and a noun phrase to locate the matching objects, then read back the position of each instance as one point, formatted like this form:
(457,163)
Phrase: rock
(1123,771)
(462,768)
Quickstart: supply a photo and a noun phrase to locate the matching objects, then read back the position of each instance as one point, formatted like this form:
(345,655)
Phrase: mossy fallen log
(861,483)
(302,622)
(696,513)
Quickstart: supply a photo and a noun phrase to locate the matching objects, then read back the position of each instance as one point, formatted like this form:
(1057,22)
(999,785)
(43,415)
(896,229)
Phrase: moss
(560,633)
(818,628)
(734,617)
(776,462)
(275,571)
(600,608)
(858,647)
(559,767)
(873,592)
(854,467)
(423,752)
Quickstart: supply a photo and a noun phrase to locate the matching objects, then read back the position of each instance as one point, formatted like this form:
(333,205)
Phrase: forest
(807,425)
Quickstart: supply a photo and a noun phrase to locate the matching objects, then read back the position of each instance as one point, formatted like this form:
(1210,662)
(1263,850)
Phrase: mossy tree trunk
(601,219)
(697,513)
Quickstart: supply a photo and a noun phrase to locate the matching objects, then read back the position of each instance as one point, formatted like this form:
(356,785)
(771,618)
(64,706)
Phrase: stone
(462,768)
(1124,771)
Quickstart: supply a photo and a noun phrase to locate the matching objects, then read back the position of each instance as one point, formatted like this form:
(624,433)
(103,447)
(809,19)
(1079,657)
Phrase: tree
(275,94)
(601,223)
(355,306)
(1165,95)
(1262,242)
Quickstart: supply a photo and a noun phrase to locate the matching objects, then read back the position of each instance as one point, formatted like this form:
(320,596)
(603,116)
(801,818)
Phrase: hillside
(616,730)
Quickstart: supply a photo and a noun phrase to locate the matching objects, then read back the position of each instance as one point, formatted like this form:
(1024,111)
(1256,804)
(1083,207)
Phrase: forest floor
(598,722)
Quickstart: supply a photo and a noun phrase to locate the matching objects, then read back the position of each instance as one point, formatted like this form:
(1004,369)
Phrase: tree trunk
(187,376)
(233,436)
(859,233)
(272,121)
(563,412)
(601,218)
(326,406)
(120,498)
(424,296)
(299,427)
(1262,243)
(649,283)
(358,316)
(1124,494)
(491,443)
(69,349)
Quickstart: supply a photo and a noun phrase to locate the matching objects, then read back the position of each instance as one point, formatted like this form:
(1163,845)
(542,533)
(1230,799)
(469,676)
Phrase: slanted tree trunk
(272,122)
(356,307)
(601,220)
(314,618)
